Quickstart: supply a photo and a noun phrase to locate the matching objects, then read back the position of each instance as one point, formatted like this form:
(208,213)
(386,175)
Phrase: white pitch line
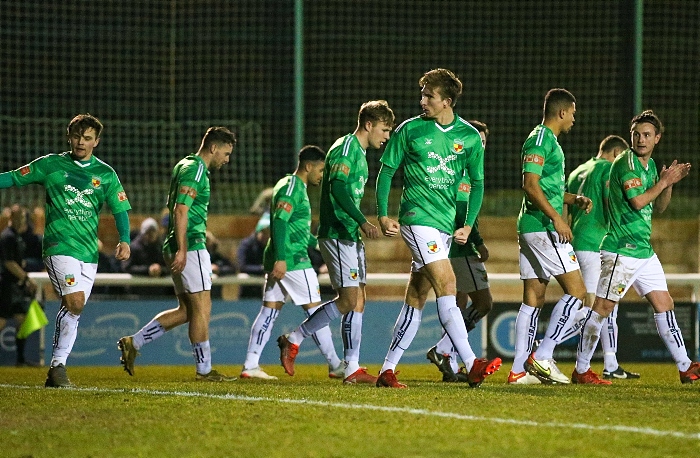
(403,410)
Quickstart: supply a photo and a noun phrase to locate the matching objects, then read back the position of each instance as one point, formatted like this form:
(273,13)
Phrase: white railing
(380,279)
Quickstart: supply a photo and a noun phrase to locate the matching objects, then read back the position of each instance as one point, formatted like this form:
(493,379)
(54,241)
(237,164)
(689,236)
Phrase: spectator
(250,254)
(146,252)
(16,288)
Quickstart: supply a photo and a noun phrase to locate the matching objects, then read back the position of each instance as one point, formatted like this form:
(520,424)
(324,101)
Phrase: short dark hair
(555,100)
(83,122)
(219,135)
(650,117)
(611,142)
(375,111)
(311,153)
(480,126)
(443,81)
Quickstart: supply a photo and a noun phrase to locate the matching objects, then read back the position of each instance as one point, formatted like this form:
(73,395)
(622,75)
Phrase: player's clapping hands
(674,173)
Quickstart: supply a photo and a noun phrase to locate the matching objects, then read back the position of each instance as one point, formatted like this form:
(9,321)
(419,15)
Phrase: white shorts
(470,273)
(300,285)
(619,272)
(543,256)
(69,275)
(590,268)
(197,274)
(427,244)
(345,259)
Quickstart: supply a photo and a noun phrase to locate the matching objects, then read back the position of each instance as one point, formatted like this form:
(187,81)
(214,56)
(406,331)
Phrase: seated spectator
(220,264)
(250,255)
(147,259)
(16,288)
(146,252)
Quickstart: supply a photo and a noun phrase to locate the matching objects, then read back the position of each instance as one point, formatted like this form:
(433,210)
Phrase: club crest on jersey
(572,256)
(70,280)
(96,182)
(464,187)
(533,159)
(633,183)
(353,274)
(433,247)
(620,288)
(458,146)
(25,170)
(121,195)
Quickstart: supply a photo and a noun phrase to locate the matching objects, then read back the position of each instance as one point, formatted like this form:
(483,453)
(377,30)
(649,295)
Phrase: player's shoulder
(102,166)
(192,165)
(345,146)
(625,161)
(540,137)
(411,123)
(286,185)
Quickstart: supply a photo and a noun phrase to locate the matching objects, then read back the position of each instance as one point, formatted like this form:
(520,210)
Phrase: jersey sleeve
(475,162)
(631,180)
(339,168)
(189,183)
(533,158)
(116,196)
(34,172)
(284,204)
(395,149)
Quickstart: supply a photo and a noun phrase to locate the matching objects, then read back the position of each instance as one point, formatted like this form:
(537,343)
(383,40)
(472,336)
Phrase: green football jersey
(189,185)
(629,230)
(290,203)
(346,161)
(434,159)
(75,193)
(474,239)
(589,179)
(541,154)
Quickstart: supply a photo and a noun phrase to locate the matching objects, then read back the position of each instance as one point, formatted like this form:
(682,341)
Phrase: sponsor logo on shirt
(534,159)
(442,166)
(464,187)
(79,195)
(353,274)
(286,206)
(96,182)
(342,168)
(70,280)
(25,170)
(433,247)
(121,195)
(633,183)
(458,146)
(189,191)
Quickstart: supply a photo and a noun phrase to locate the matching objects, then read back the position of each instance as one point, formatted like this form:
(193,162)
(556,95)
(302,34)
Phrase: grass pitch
(162,411)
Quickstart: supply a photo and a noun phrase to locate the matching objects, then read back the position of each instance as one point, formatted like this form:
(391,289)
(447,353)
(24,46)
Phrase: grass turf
(162,411)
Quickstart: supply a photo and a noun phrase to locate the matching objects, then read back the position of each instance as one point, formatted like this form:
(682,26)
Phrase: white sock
(525,331)
(562,318)
(352,337)
(148,333)
(405,330)
(324,341)
(259,335)
(453,361)
(589,340)
(202,357)
(444,345)
(608,340)
(576,324)
(671,334)
(320,319)
(64,336)
(451,319)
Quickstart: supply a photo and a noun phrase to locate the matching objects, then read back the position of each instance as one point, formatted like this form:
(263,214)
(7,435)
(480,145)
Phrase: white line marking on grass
(403,410)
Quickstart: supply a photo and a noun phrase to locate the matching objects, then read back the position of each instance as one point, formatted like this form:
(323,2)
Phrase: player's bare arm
(663,188)
(531,187)
(181,217)
(462,234)
(123,251)
(389,226)
(582,202)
